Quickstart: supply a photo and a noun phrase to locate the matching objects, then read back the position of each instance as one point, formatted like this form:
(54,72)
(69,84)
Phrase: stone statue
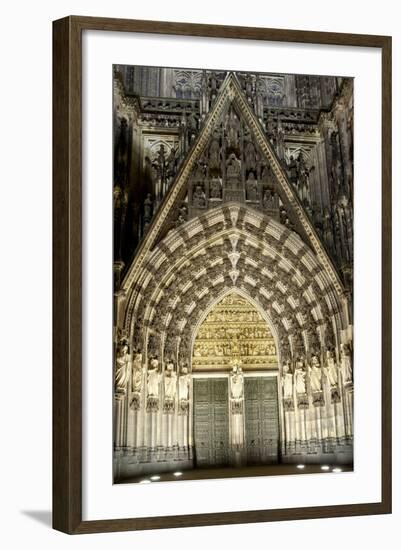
(235,348)
(182,215)
(147,208)
(137,372)
(250,156)
(287,381)
(191,121)
(328,229)
(180,220)
(293,170)
(344,213)
(191,128)
(315,375)
(268,199)
(233,169)
(160,162)
(331,369)
(252,188)
(298,172)
(184,211)
(199,197)
(300,376)
(345,365)
(170,381)
(153,378)
(215,189)
(199,172)
(137,362)
(123,368)
(172,163)
(265,173)
(303,179)
(237,383)
(183,384)
(233,129)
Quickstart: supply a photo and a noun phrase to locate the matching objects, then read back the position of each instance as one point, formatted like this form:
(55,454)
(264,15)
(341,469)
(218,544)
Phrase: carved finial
(234,238)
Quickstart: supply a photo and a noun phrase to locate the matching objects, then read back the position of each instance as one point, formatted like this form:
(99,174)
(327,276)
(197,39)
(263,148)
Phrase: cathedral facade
(233,263)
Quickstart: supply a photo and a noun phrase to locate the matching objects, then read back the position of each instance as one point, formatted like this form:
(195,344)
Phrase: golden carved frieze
(234,331)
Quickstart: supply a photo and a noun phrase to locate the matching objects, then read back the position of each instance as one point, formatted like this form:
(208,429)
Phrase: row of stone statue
(131,376)
(254,191)
(299,173)
(331,371)
(211,349)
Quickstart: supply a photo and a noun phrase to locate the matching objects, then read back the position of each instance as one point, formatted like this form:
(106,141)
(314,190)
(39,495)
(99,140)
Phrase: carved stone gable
(231,160)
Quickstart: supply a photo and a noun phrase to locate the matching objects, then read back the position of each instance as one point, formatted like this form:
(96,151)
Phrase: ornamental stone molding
(279,274)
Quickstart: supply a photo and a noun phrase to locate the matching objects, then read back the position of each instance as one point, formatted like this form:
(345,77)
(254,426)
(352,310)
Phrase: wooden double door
(212,421)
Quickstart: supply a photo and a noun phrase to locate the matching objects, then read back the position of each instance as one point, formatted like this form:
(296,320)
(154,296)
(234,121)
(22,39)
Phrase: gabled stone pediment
(231,160)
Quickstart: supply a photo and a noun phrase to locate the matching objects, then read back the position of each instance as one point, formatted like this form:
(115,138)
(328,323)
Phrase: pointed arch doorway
(235,388)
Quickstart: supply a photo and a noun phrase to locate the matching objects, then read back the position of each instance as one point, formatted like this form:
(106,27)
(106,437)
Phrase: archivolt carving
(276,270)
(286,260)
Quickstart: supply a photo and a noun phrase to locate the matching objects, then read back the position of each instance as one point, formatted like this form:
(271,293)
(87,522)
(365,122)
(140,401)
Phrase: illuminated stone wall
(232,270)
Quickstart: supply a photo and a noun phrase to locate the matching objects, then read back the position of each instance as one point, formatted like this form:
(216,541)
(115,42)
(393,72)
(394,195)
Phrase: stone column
(119,420)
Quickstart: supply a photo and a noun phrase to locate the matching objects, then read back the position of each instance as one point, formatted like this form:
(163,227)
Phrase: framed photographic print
(222,274)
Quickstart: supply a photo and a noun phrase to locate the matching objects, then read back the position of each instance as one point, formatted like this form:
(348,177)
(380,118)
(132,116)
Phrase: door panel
(261,420)
(211,425)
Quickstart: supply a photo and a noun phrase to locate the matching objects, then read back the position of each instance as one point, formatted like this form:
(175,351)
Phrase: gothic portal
(235,399)
(233,263)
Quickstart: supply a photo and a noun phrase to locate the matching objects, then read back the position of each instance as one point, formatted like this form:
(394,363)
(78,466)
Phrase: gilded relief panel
(234,333)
